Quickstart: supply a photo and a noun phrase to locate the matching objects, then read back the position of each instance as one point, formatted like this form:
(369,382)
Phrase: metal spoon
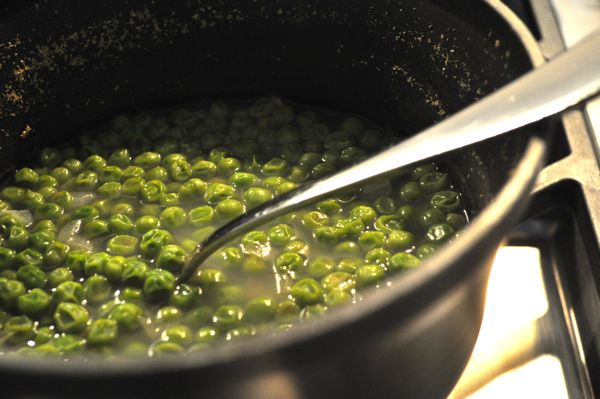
(565,81)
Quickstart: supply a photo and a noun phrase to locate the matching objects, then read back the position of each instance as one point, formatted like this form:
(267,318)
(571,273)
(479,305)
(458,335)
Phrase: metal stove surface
(541,331)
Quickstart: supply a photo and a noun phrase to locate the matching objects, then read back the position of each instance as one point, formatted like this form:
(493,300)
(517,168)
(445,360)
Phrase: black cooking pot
(69,65)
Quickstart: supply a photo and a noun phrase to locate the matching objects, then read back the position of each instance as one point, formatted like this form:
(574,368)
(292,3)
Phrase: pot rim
(493,216)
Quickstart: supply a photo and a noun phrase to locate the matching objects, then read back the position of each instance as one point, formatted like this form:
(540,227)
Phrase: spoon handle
(565,81)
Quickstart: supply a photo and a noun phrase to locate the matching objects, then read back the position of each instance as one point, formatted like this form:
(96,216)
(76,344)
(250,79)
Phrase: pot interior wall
(68,66)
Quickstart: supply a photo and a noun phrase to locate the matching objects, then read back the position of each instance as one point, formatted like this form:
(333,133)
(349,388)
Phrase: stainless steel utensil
(570,78)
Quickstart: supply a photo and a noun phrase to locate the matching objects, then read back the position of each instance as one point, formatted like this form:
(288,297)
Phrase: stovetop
(540,335)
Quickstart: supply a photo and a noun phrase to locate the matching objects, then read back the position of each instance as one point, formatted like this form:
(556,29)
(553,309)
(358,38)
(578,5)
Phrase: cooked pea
(110,174)
(192,190)
(120,223)
(133,171)
(369,274)
(157,173)
(32,276)
(74,165)
(147,160)
(230,257)
(255,196)
(97,289)
(71,317)
(134,272)
(338,281)
(217,192)
(389,223)
(158,285)
(307,292)
(132,186)
(173,217)
(17,239)
(184,296)
(378,256)
(49,211)
(26,177)
(403,260)
(172,258)
(337,297)
(320,266)
(18,329)
(350,228)
(347,248)
(86,213)
(315,219)
(146,223)
(75,261)
(204,169)
(55,254)
(434,181)
(229,209)
(123,245)
(152,190)
(95,228)
(281,234)
(327,235)
(425,250)
(228,317)
(46,181)
(94,263)
(430,217)
(59,275)
(128,316)
(154,240)
(10,291)
(110,190)
(86,180)
(445,201)
(400,240)
(7,257)
(439,232)
(102,332)
(411,192)
(120,157)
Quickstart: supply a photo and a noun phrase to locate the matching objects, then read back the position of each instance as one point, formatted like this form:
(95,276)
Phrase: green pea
(154,240)
(199,316)
(329,207)
(369,274)
(95,228)
(132,186)
(254,264)
(132,295)
(434,181)
(192,190)
(203,233)
(158,285)
(204,169)
(378,256)
(457,221)
(86,213)
(403,260)
(94,162)
(86,180)
(289,262)
(28,256)
(120,157)
(179,170)
(385,205)
(102,332)
(229,209)
(55,254)
(260,310)
(320,266)
(172,258)
(123,245)
(150,210)
(400,240)
(7,257)
(147,160)
(94,263)
(425,250)
(439,232)
(315,219)
(255,196)
(157,173)
(389,223)
(173,217)
(350,228)
(297,174)
(164,348)
(322,169)
(70,317)
(285,187)
(421,170)
(229,257)
(337,297)
(327,235)
(208,278)
(110,174)
(43,335)
(281,234)
(45,225)
(33,200)
(59,275)
(184,296)
(18,237)
(152,190)
(255,242)
(74,165)
(228,317)
(445,201)
(128,316)
(134,272)
(411,192)
(46,181)
(206,335)
(347,248)
(133,171)
(338,280)
(61,174)
(10,291)
(179,334)
(120,223)
(26,177)
(371,239)
(32,276)
(63,198)
(146,223)
(351,155)
(274,181)
(97,289)
(68,291)
(287,310)
(275,167)
(49,211)
(113,268)
(217,192)
(430,217)
(307,292)
(18,329)
(110,190)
